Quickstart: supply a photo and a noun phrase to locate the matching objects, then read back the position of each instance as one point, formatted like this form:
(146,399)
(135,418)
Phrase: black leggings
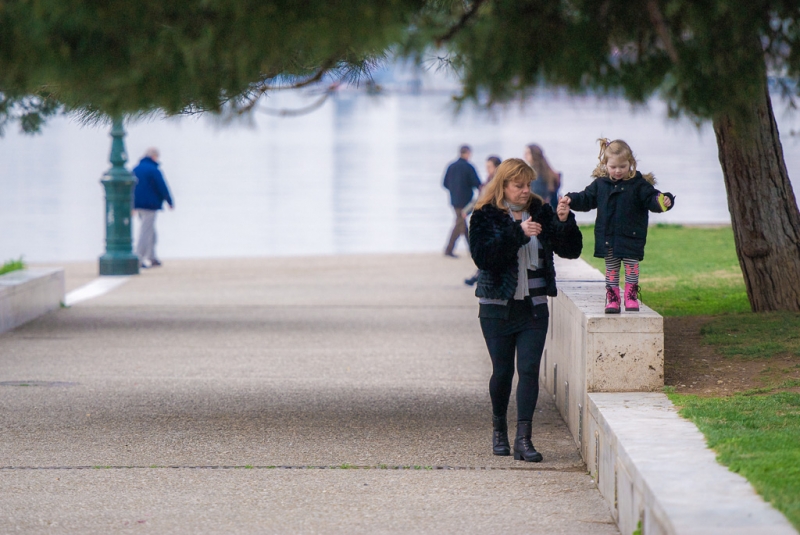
(524,331)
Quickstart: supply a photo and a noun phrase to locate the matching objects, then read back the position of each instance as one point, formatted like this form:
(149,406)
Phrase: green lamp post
(118,183)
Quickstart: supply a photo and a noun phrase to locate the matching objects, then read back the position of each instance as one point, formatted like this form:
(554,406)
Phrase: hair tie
(608,142)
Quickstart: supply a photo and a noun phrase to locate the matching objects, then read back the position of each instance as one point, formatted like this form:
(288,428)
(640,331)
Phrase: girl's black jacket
(495,239)
(622,215)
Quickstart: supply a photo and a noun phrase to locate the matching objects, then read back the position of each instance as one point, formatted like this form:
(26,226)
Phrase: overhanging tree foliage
(119,57)
(707,59)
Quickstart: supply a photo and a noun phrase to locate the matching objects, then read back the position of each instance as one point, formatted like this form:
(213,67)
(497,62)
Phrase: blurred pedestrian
(461,180)
(148,198)
(547,181)
(492,163)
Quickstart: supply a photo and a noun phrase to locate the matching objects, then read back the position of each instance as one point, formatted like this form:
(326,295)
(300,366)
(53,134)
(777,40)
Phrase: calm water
(361,174)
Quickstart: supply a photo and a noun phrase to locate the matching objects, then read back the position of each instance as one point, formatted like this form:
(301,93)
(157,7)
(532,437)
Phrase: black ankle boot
(523,447)
(500,445)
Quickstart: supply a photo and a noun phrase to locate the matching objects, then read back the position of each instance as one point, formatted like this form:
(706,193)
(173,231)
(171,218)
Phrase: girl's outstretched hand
(531,228)
(562,211)
(664,201)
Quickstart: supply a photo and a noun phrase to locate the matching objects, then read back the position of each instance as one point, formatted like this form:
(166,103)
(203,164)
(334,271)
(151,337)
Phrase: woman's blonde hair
(621,149)
(511,170)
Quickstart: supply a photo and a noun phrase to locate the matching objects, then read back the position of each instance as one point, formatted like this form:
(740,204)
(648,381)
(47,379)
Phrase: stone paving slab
(304,501)
(330,361)
(254,422)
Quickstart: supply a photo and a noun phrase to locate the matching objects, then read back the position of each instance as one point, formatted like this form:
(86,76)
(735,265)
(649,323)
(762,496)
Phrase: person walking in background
(460,179)
(512,238)
(148,198)
(492,163)
(548,181)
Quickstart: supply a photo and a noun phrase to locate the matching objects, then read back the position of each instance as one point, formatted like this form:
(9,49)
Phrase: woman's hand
(562,211)
(531,228)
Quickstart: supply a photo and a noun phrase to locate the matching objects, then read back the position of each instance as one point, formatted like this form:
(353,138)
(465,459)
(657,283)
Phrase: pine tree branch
(321,72)
(661,29)
(263,88)
(288,112)
(460,24)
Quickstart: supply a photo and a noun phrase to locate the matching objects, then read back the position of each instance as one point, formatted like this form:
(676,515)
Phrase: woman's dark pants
(524,332)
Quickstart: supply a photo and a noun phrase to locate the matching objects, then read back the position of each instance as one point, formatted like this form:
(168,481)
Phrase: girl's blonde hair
(511,170)
(621,149)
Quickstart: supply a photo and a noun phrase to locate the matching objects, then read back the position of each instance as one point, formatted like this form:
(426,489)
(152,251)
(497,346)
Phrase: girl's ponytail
(604,143)
(601,170)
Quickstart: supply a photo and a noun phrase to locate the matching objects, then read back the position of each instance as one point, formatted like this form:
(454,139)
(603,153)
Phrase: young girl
(622,196)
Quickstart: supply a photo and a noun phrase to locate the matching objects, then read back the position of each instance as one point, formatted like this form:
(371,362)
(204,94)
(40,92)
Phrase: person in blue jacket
(148,198)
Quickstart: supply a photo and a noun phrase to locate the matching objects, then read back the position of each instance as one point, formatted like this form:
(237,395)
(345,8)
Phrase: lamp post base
(126,264)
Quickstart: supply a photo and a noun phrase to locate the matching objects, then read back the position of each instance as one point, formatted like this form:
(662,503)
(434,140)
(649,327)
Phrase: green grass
(757,437)
(755,336)
(12,265)
(686,271)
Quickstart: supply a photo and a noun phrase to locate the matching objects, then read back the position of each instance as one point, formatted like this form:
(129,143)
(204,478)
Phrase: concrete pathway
(324,394)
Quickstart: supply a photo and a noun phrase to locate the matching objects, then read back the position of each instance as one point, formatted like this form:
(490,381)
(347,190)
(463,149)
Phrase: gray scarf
(527,256)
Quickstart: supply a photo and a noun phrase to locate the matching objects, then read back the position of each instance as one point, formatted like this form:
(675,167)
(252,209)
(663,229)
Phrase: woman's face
(490,168)
(517,192)
(618,167)
(528,156)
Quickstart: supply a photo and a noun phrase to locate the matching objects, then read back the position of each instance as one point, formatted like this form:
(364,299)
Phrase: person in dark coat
(148,197)
(623,197)
(461,180)
(512,236)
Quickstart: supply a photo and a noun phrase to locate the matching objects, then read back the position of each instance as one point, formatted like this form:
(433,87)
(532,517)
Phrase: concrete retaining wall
(651,466)
(29,293)
(590,351)
(654,467)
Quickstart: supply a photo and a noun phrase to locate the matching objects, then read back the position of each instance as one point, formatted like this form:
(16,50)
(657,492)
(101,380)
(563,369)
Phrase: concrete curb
(650,465)
(29,293)
(96,288)
(654,467)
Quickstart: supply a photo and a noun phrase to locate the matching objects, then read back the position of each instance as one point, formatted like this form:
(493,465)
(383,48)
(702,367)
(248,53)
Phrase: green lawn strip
(685,271)
(755,335)
(757,436)
(12,265)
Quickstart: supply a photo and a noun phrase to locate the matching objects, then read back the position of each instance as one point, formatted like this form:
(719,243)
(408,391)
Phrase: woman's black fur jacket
(495,239)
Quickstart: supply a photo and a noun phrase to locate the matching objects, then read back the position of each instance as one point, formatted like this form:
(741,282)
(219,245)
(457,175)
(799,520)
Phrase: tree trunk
(764,214)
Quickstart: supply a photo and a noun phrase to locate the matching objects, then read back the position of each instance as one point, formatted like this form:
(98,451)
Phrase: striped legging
(612,270)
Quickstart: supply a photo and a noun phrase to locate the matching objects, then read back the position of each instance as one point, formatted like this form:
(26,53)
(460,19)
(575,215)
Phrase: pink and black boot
(612,300)
(631,297)
(632,289)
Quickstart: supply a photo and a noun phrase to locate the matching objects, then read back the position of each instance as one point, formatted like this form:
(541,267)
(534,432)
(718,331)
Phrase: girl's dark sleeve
(585,200)
(566,237)
(648,196)
(494,247)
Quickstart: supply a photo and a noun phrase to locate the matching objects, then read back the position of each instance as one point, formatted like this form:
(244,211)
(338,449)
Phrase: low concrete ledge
(654,467)
(589,351)
(29,293)
(650,465)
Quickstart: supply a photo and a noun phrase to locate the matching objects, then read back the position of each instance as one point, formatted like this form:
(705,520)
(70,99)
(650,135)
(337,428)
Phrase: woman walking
(513,235)
(548,181)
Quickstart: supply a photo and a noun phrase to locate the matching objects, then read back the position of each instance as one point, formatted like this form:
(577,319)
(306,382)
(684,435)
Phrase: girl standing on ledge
(622,196)
(513,235)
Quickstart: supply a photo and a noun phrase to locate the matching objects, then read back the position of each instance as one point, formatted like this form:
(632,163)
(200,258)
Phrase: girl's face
(528,156)
(618,167)
(517,192)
